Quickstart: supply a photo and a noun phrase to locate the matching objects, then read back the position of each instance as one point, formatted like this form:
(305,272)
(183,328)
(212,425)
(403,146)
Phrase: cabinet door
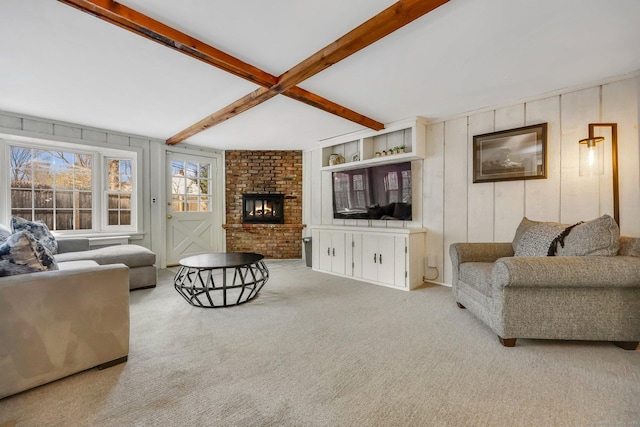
(356,257)
(369,257)
(324,248)
(338,252)
(400,259)
(386,259)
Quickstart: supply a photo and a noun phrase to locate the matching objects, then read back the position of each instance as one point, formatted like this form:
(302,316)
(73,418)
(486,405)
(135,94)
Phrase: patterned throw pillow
(598,237)
(4,233)
(537,239)
(22,253)
(38,229)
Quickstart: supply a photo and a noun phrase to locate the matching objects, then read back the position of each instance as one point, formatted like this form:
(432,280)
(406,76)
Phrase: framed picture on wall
(510,155)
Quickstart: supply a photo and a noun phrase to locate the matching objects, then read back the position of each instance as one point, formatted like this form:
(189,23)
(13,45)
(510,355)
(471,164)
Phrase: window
(62,185)
(119,191)
(52,186)
(190,186)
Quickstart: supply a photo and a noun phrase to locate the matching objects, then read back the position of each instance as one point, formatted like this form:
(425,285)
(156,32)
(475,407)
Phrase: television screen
(378,192)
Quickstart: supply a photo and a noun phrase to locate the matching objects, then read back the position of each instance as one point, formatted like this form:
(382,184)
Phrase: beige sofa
(551,297)
(140,260)
(56,323)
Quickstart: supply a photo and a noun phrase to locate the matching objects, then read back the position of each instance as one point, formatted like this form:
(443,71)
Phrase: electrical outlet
(432,261)
(154,200)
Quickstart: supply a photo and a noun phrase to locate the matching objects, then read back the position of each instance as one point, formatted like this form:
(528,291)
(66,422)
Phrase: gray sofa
(56,323)
(551,297)
(140,260)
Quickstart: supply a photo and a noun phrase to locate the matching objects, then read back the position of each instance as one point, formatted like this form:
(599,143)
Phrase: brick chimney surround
(265,172)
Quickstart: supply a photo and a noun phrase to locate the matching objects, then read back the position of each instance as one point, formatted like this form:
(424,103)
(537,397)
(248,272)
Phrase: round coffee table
(203,280)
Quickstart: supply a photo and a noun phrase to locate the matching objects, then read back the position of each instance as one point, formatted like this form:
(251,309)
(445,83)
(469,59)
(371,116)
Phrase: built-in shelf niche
(359,150)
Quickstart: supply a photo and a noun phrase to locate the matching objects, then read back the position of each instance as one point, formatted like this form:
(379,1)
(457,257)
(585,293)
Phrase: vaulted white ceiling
(59,63)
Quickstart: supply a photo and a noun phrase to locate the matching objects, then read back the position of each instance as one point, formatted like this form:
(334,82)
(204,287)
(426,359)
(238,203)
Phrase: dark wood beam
(389,20)
(145,26)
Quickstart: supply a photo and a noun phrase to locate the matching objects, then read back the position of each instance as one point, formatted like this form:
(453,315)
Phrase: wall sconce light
(592,159)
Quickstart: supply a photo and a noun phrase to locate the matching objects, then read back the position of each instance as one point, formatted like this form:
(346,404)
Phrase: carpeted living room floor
(318,350)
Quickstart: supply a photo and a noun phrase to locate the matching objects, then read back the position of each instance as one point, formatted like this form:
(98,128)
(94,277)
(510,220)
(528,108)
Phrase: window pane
(177,205)
(192,203)
(204,186)
(43,199)
(178,185)
(125,217)
(64,199)
(205,204)
(45,216)
(26,214)
(113,218)
(113,201)
(84,199)
(113,180)
(83,181)
(125,201)
(20,158)
(177,168)
(64,220)
(192,170)
(21,199)
(85,220)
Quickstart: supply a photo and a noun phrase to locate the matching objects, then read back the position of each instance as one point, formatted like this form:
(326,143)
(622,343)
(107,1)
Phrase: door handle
(169,216)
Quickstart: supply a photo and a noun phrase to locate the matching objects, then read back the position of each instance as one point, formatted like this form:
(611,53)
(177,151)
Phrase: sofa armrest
(75,244)
(571,271)
(479,252)
(57,323)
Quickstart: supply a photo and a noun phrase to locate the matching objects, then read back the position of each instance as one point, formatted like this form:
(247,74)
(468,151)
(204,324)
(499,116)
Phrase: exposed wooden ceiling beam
(142,25)
(381,25)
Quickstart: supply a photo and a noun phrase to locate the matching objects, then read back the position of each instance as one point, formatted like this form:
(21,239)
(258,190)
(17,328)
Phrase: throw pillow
(525,224)
(536,240)
(4,233)
(598,237)
(629,246)
(38,229)
(22,253)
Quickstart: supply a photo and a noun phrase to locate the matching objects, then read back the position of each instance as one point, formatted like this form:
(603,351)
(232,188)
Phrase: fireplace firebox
(263,208)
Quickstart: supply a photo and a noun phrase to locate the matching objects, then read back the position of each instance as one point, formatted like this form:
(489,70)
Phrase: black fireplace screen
(263,208)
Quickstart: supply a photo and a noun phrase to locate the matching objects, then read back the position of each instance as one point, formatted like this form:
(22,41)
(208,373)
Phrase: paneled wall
(457,210)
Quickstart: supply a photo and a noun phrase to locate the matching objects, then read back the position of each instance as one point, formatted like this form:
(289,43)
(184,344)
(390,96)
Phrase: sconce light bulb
(592,155)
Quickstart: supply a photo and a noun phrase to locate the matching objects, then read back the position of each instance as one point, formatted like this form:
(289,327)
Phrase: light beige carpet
(317,350)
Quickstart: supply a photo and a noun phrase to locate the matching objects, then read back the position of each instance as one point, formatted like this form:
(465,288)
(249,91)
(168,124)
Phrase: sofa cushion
(38,229)
(130,255)
(537,239)
(629,246)
(598,237)
(5,232)
(21,253)
(477,275)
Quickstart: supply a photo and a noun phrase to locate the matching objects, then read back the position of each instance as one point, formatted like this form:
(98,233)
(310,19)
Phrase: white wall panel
(580,198)
(620,106)
(433,197)
(455,187)
(509,195)
(480,195)
(542,196)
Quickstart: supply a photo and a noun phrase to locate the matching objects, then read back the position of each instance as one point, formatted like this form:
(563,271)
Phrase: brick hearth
(264,172)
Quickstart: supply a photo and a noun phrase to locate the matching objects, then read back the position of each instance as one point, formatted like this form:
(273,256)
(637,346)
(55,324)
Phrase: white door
(194,223)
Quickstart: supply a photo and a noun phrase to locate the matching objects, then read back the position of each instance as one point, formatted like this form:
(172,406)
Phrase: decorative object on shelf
(378,154)
(592,159)
(402,148)
(509,155)
(355,157)
(336,159)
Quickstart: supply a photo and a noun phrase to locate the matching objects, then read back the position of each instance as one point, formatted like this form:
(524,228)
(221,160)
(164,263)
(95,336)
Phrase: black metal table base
(213,287)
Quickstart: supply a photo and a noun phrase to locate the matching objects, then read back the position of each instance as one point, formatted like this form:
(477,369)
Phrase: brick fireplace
(264,173)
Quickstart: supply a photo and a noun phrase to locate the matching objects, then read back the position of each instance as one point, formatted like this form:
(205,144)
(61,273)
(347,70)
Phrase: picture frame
(355,157)
(509,155)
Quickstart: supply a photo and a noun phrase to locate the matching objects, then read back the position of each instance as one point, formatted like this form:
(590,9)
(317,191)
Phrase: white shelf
(410,134)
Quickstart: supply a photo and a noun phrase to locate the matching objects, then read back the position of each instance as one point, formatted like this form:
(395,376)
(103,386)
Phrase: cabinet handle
(375,256)
(328,251)
(334,251)
(380,258)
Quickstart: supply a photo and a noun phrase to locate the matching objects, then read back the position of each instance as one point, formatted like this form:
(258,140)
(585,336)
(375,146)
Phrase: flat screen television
(378,192)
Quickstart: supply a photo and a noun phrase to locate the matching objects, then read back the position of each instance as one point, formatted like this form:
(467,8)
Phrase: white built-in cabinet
(392,257)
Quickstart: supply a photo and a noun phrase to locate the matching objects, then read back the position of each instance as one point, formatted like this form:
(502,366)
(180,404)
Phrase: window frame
(98,177)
